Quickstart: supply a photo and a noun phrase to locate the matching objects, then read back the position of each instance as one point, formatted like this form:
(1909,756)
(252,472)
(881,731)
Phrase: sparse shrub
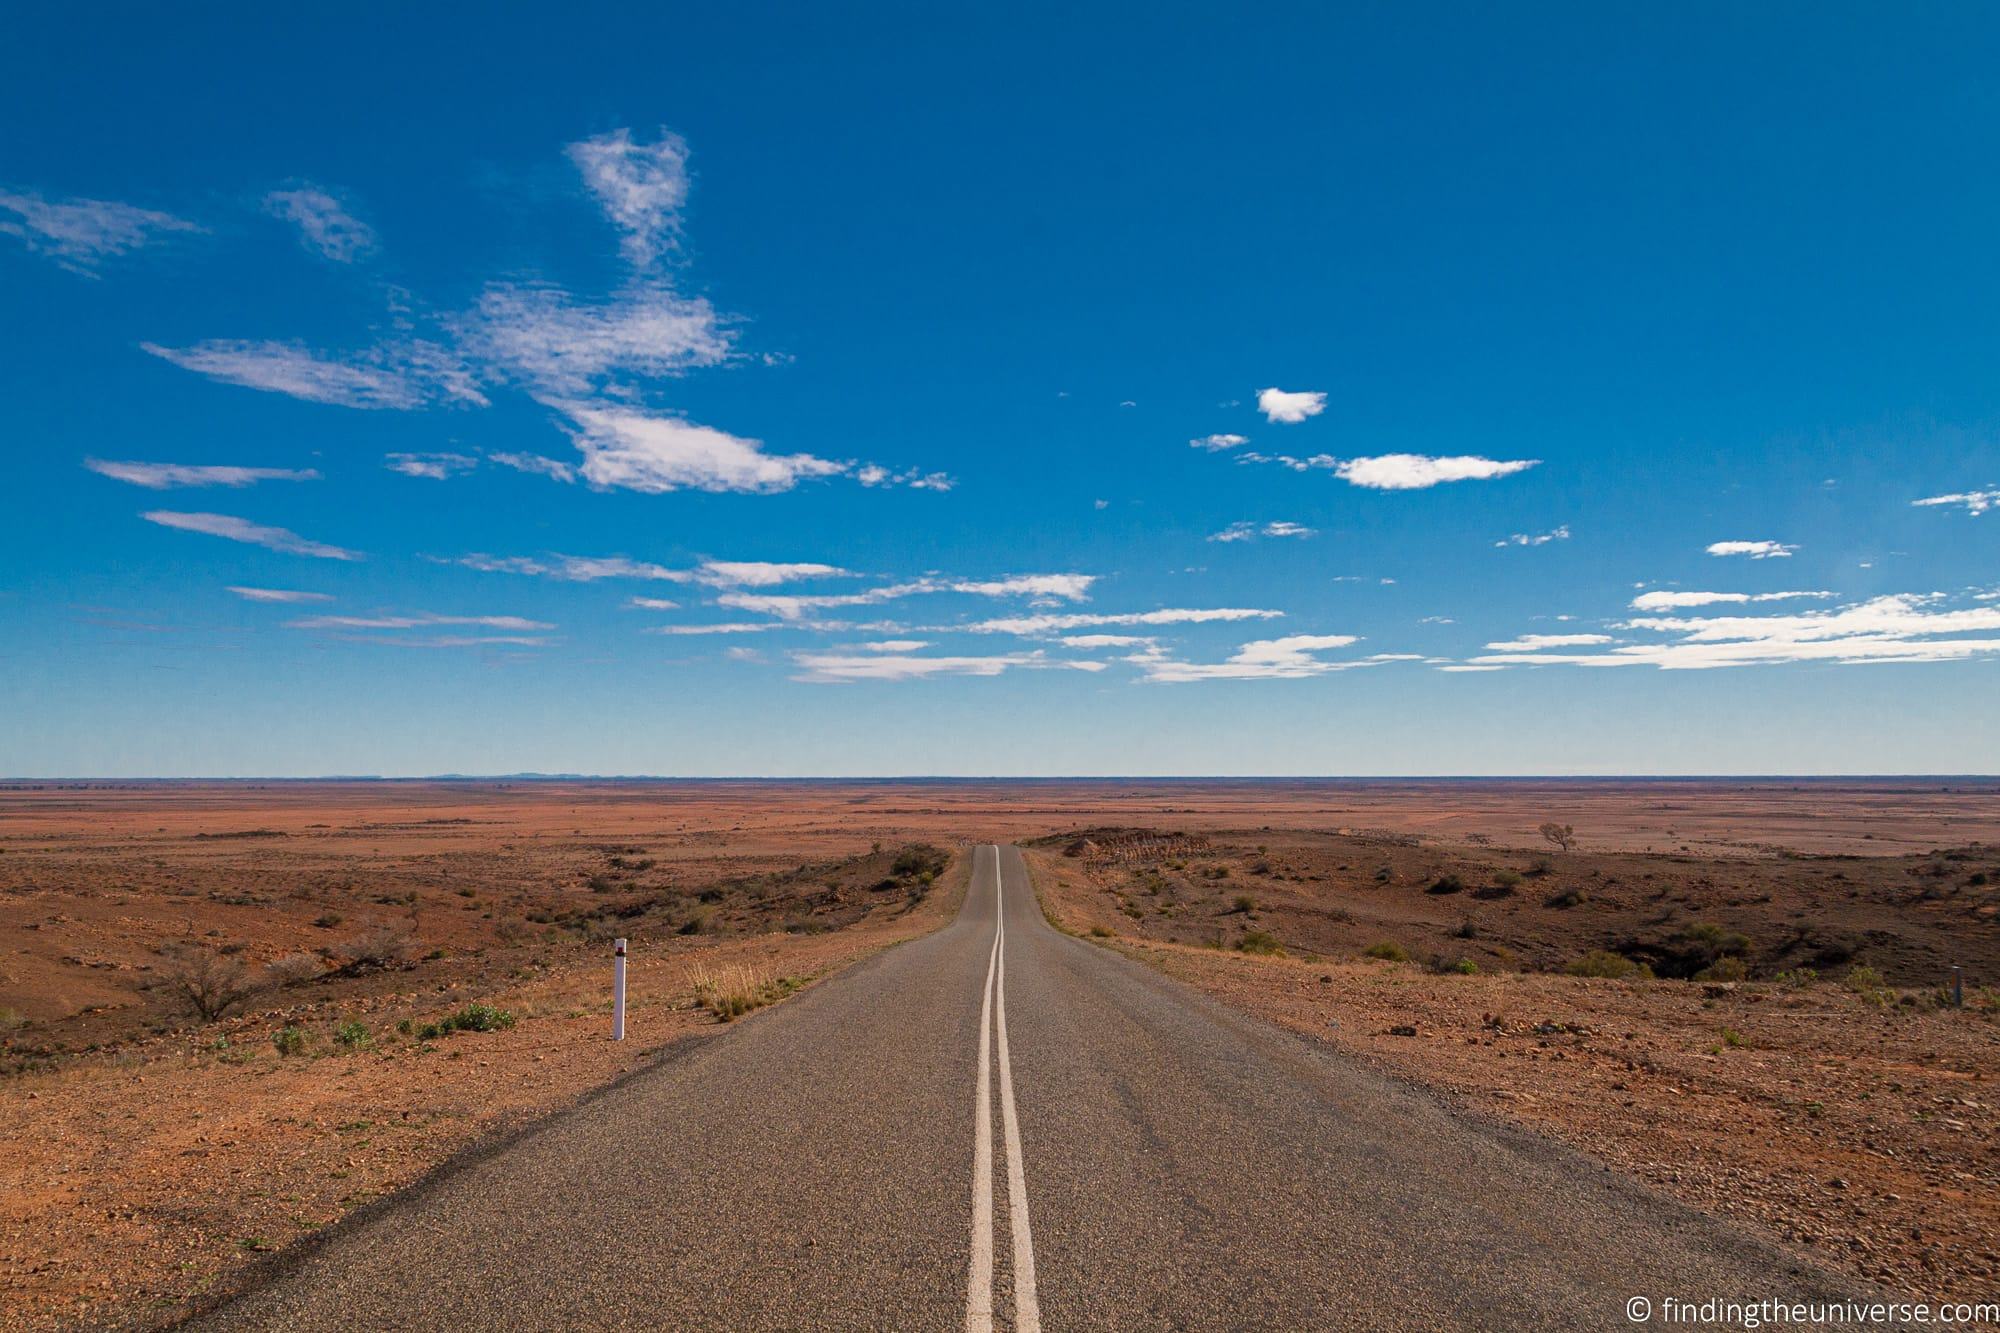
(290,1040)
(1866,982)
(1796,978)
(352,1034)
(1725,969)
(731,992)
(1562,835)
(1465,967)
(1731,1037)
(293,969)
(1541,865)
(1102,933)
(1389,951)
(1446,884)
(1507,879)
(479,1018)
(328,920)
(1465,930)
(1607,965)
(1563,899)
(1243,902)
(378,948)
(1260,942)
(207,981)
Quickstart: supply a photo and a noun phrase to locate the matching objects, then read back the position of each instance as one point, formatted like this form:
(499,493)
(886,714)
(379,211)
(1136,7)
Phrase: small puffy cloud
(627,449)
(243,530)
(437,467)
(1289,408)
(1973,502)
(1529,643)
(536,465)
(1668,600)
(1290,658)
(166,476)
(895,646)
(642,187)
(874,474)
(324,224)
(1560,534)
(1247,531)
(1759,550)
(80,234)
(740,654)
(1216,444)
(1410,472)
(284,595)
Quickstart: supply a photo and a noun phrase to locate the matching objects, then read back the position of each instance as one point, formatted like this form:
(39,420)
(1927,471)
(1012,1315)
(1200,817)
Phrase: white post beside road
(618,990)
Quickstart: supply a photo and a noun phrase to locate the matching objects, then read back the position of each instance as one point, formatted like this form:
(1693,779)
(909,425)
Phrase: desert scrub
(731,992)
(1866,982)
(1389,951)
(1102,933)
(1243,902)
(1609,966)
(472,1018)
(1261,942)
(352,1035)
(290,1040)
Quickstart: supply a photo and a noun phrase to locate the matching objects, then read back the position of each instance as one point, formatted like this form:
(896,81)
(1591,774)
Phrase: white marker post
(618,990)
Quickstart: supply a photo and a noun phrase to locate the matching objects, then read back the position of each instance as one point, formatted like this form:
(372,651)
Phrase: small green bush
(1388,951)
(290,1040)
(1243,902)
(1725,969)
(1260,942)
(1607,965)
(1102,933)
(352,1034)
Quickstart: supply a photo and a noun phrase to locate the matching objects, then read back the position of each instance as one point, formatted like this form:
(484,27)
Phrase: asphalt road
(1000,1126)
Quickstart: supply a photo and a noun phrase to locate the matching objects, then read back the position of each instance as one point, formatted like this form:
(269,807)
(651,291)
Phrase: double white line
(992,1020)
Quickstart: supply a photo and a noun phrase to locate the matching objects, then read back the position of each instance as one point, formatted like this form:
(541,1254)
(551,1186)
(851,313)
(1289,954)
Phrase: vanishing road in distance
(999,1126)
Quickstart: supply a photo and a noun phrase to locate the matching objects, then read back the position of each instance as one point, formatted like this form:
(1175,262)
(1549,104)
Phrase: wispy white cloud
(1560,534)
(419,620)
(1757,550)
(536,465)
(762,573)
(437,467)
(285,595)
(1529,643)
(796,606)
(654,604)
(894,646)
(727,627)
(1973,502)
(399,377)
(1245,531)
(1067,587)
(1289,408)
(632,450)
(166,476)
(874,474)
(324,224)
(243,530)
(1290,658)
(80,234)
(543,337)
(570,568)
(1105,641)
(1056,623)
(843,667)
(1904,627)
(642,187)
(1216,444)
(1668,600)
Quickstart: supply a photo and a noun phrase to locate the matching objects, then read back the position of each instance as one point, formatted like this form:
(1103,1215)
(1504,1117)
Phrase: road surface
(1000,1126)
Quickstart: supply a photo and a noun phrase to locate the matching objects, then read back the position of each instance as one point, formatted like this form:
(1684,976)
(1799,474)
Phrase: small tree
(207,981)
(1562,835)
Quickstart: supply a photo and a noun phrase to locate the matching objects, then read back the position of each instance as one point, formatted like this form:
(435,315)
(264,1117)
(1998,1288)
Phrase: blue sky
(1361,390)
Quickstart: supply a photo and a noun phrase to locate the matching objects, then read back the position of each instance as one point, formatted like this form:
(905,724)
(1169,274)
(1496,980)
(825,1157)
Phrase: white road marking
(1027,1308)
(979,1281)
